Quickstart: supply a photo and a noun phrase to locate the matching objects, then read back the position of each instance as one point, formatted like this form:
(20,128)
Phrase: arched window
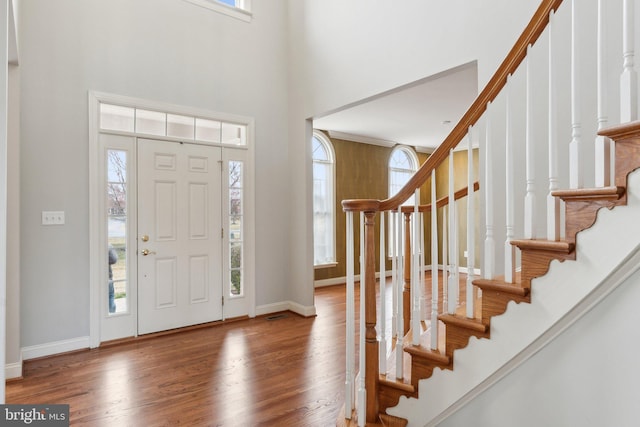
(324,248)
(403,163)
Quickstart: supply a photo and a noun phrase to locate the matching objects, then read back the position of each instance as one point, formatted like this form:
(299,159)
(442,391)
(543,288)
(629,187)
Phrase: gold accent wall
(361,172)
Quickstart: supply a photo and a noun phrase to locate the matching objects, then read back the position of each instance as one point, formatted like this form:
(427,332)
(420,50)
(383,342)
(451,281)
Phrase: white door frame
(234,307)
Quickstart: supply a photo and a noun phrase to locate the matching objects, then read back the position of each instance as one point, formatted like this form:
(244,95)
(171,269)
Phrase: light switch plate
(52,217)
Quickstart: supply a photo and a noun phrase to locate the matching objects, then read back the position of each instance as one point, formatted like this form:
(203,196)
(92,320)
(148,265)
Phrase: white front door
(179,235)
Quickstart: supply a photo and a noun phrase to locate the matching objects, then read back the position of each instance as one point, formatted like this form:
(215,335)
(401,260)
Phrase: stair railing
(494,116)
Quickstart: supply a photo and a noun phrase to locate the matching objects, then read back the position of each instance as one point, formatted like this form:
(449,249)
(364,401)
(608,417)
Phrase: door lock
(144,238)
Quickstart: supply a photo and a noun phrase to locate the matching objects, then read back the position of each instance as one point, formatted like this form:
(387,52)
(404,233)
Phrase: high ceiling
(420,114)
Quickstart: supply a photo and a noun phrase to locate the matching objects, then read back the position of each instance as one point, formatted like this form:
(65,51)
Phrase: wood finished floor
(254,372)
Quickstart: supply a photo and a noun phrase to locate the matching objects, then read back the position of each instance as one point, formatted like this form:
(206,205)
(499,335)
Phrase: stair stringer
(568,291)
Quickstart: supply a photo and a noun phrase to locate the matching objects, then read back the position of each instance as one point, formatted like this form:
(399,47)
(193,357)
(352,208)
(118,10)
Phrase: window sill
(234,12)
(327,265)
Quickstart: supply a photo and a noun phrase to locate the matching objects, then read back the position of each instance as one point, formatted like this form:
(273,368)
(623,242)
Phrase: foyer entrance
(179,235)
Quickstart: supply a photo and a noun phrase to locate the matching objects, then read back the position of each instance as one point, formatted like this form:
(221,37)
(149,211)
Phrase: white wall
(13,354)
(164,50)
(587,377)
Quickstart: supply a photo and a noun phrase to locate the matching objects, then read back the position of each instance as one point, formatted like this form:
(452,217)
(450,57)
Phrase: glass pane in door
(117,284)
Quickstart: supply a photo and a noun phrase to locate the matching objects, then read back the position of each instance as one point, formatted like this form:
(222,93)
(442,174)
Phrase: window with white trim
(324,230)
(240,9)
(403,163)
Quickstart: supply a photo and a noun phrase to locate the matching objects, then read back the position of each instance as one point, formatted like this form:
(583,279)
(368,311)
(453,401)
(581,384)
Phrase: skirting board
(13,370)
(342,280)
(57,347)
(306,311)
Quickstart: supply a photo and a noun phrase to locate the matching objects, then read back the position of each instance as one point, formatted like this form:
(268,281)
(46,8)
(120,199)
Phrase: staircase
(555,276)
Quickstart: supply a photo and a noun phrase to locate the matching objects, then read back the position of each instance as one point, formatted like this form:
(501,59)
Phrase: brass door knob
(146,252)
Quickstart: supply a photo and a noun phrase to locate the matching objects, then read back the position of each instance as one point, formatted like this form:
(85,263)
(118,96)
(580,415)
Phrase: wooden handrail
(517,54)
(442,201)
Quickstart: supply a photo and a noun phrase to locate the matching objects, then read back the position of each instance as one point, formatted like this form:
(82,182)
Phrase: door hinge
(222,233)
(223,300)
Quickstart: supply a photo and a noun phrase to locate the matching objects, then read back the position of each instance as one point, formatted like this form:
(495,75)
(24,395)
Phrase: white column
(434,263)
(399,300)
(553,203)
(4,79)
(530,196)
(362,388)
(349,391)
(576,174)
(453,247)
(629,78)
(602,144)
(383,300)
(471,229)
(509,250)
(489,241)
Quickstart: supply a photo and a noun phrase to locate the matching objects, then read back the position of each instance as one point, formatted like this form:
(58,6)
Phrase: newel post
(371,337)
(370,371)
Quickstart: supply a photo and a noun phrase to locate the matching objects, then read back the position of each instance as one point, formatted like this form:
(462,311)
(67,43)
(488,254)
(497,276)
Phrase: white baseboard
(13,370)
(57,347)
(306,311)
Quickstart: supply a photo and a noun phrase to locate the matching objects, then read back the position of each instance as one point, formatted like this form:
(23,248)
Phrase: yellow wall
(361,173)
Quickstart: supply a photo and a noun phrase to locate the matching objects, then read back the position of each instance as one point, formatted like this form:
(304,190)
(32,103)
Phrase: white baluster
(553,203)
(383,300)
(489,242)
(434,263)
(415,266)
(400,317)
(362,388)
(575,151)
(453,247)
(471,229)
(530,197)
(349,392)
(394,281)
(629,78)
(602,145)
(445,261)
(423,300)
(509,250)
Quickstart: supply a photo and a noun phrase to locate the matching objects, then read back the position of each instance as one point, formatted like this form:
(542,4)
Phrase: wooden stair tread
(464,322)
(588,194)
(427,353)
(560,246)
(397,384)
(499,285)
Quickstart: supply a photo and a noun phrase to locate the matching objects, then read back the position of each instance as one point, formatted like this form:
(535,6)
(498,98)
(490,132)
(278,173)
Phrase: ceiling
(420,114)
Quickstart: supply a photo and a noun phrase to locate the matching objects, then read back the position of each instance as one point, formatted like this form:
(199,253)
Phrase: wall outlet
(466,254)
(52,217)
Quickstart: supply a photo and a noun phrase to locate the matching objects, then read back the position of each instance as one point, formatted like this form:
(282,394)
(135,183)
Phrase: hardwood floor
(288,371)
(257,372)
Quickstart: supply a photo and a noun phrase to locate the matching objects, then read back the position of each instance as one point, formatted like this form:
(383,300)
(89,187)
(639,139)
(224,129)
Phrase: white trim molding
(57,347)
(242,13)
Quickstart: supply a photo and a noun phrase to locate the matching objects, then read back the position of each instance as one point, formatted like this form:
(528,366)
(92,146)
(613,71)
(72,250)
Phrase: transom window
(324,248)
(157,123)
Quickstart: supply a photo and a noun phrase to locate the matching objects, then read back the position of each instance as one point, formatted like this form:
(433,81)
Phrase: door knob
(146,252)
(144,238)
